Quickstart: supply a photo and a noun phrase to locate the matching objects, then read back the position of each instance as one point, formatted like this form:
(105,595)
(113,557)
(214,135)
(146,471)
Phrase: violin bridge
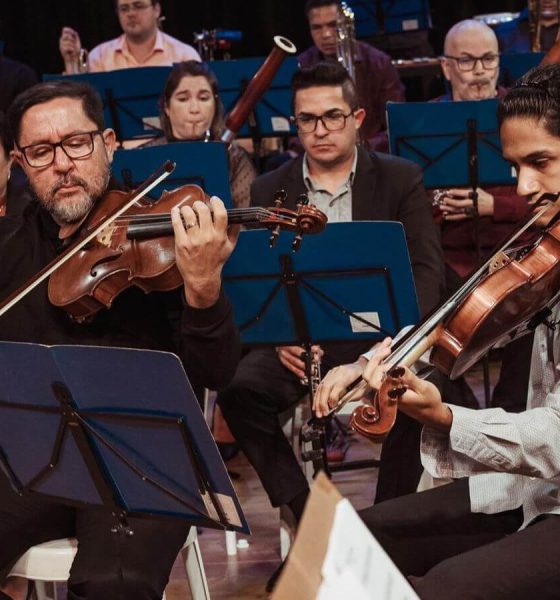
(498,261)
(106,235)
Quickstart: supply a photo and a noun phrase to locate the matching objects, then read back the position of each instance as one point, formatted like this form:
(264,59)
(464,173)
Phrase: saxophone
(346,39)
(534,9)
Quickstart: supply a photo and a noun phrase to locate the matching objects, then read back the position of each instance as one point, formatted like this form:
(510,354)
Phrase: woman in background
(191,110)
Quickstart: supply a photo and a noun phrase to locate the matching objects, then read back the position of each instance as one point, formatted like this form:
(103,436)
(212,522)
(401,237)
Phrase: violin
(507,294)
(127,241)
(138,248)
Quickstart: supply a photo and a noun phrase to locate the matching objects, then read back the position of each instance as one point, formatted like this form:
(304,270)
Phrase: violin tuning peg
(274,236)
(303,200)
(296,243)
(280,197)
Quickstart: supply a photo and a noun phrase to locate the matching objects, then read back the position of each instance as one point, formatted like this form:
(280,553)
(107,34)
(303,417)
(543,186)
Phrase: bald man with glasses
(471,65)
(142,44)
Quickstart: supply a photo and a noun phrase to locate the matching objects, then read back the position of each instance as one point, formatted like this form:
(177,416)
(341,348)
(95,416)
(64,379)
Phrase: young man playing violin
(65,151)
(494,532)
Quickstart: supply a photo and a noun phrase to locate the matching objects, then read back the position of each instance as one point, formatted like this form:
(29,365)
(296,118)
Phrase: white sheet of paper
(344,586)
(353,554)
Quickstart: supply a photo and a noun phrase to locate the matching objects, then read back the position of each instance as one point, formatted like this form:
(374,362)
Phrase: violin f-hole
(104,260)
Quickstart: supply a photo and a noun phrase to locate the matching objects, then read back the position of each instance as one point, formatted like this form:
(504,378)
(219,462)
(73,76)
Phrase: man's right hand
(335,385)
(70,46)
(291,358)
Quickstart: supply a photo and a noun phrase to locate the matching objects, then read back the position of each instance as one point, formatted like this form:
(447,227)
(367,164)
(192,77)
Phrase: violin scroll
(376,418)
(305,220)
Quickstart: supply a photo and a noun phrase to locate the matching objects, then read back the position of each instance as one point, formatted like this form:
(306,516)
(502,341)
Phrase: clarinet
(313,433)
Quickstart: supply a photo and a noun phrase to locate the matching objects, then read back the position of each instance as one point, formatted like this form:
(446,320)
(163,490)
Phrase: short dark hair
(325,74)
(152,2)
(311,4)
(190,68)
(49,90)
(5,138)
(536,95)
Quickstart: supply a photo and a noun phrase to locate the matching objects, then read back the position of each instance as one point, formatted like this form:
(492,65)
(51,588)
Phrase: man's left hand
(418,398)
(202,246)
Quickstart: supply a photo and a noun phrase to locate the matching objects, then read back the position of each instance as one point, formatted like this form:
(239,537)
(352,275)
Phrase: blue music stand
(390,16)
(201,163)
(107,431)
(351,283)
(130,99)
(436,136)
(272,113)
(514,66)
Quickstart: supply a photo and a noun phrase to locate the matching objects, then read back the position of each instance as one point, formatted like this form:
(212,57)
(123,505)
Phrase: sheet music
(356,566)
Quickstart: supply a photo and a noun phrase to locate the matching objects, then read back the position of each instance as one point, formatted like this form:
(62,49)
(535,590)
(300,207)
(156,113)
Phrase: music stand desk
(387,16)
(130,98)
(114,427)
(435,136)
(201,163)
(351,271)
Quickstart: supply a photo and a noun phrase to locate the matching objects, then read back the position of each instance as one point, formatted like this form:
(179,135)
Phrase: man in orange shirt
(142,44)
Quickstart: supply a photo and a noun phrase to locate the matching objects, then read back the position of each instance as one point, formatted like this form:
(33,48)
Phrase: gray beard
(75,211)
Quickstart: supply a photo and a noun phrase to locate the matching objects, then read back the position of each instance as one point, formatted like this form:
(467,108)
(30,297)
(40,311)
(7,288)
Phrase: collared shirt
(115,54)
(337,206)
(511,459)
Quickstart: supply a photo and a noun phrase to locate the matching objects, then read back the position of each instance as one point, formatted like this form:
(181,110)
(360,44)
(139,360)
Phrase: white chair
(51,562)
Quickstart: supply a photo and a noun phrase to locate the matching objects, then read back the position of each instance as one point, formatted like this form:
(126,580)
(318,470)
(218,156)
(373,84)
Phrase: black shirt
(15,77)
(206,340)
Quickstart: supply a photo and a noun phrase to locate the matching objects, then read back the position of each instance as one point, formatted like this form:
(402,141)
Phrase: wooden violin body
(138,248)
(111,263)
(495,304)
(504,301)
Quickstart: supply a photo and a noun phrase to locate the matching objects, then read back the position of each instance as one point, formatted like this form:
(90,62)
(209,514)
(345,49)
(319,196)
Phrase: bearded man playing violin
(493,533)
(66,153)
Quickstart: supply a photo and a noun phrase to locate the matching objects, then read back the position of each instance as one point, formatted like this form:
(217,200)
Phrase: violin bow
(155,179)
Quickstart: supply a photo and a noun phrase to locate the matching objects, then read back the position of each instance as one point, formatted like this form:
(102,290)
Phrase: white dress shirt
(511,459)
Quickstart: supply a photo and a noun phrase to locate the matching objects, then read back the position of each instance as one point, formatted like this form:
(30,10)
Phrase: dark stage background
(30,28)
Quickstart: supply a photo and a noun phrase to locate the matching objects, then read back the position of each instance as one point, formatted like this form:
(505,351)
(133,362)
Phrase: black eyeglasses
(332,120)
(468,63)
(77,145)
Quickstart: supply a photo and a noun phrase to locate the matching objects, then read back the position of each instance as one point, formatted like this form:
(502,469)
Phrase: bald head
(467,30)
(471,61)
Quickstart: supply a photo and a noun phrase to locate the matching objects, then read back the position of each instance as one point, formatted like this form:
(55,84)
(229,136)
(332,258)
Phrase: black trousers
(108,566)
(454,553)
(262,389)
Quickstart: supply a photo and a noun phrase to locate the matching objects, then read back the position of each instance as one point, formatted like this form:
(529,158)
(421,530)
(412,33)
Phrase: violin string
(163,218)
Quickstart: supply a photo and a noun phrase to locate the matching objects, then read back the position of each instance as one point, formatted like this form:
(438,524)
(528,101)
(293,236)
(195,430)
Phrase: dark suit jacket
(385,188)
